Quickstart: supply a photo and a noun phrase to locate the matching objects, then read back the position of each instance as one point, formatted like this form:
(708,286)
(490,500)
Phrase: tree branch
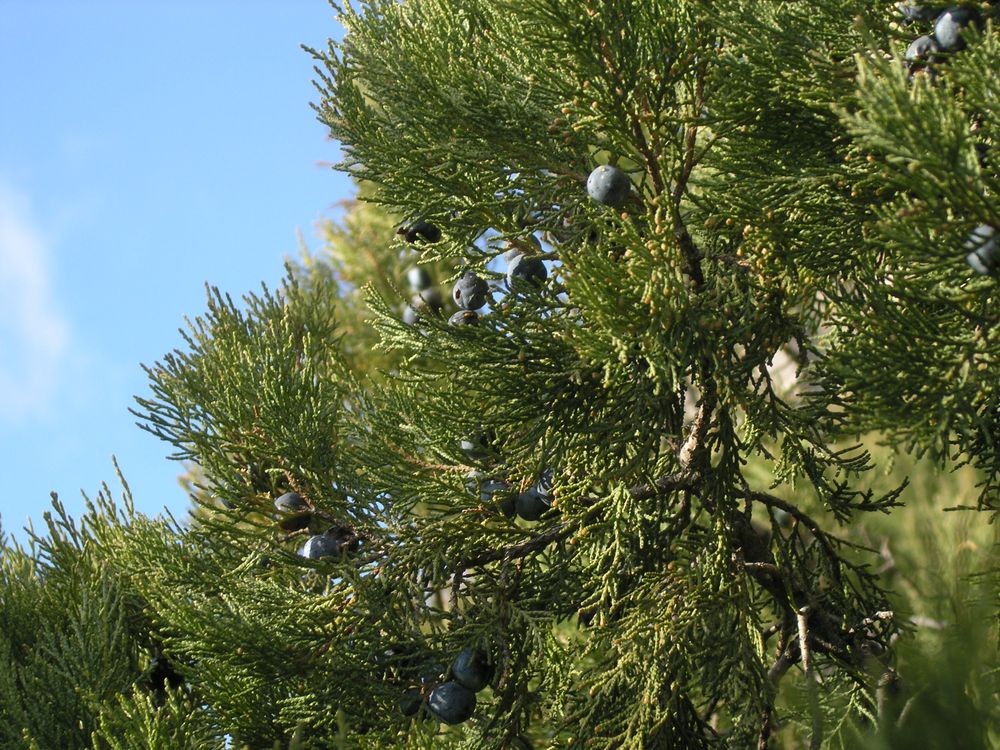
(821,536)
(817,719)
(523,549)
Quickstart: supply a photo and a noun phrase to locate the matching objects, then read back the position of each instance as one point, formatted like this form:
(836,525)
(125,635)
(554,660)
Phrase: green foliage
(932,388)
(69,633)
(722,565)
(137,721)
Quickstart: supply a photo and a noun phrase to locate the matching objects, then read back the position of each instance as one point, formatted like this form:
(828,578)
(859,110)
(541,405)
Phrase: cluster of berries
(607,185)
(454,700)
(982,246)
(947,36)
(529,505)
(295,514)
(469,292)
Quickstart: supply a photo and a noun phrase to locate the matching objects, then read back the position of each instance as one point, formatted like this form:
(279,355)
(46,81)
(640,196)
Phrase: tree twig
(523,549)
(821,536)
(817,720)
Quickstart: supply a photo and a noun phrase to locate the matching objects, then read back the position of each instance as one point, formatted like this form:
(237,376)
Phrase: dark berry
(609,186)
(485,488)
(472,669)
(949,26)
(492,487)
(470,291)
(411,701)
(526,268)
(432,673)
(922,50)
(420,230)
(530,505)
(983,246)
(464,318)
(162,674)
(982,154)
(418,278)
(452,702)
(508,506)
(291,502)
(427,230)
(528,244)
(322,545)
(473,480)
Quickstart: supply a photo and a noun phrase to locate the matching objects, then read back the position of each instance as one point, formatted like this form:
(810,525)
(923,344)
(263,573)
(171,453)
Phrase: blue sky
(145,148)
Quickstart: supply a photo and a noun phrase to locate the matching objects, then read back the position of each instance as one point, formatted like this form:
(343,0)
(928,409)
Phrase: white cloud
(33,333)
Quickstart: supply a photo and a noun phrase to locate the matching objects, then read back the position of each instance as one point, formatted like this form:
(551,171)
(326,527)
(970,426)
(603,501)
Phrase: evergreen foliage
(607,498)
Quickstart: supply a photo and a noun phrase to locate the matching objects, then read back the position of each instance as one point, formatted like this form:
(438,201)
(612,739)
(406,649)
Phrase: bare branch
(523,549)
(817,719)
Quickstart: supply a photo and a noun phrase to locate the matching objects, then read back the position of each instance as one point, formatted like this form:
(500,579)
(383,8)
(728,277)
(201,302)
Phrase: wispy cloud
(34,335)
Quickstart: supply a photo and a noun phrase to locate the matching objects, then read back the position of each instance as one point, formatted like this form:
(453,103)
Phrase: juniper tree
(595,491)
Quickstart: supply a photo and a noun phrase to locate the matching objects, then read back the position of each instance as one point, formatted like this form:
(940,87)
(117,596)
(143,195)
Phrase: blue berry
(913,13)
(783,518)
(470,291)
(291,502)
(472,669)
(544,485)
(609,186)
(949,26)
(983,246)
(526,268)
(530,505)
(430,298)
(513,249)
(419,279)
(508,506)
(452,702)
(464,318)
(533,502)
(982,154)
(488,489)
(922,50)
(492,487)
(472,480)
(432,673)
(321,545)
